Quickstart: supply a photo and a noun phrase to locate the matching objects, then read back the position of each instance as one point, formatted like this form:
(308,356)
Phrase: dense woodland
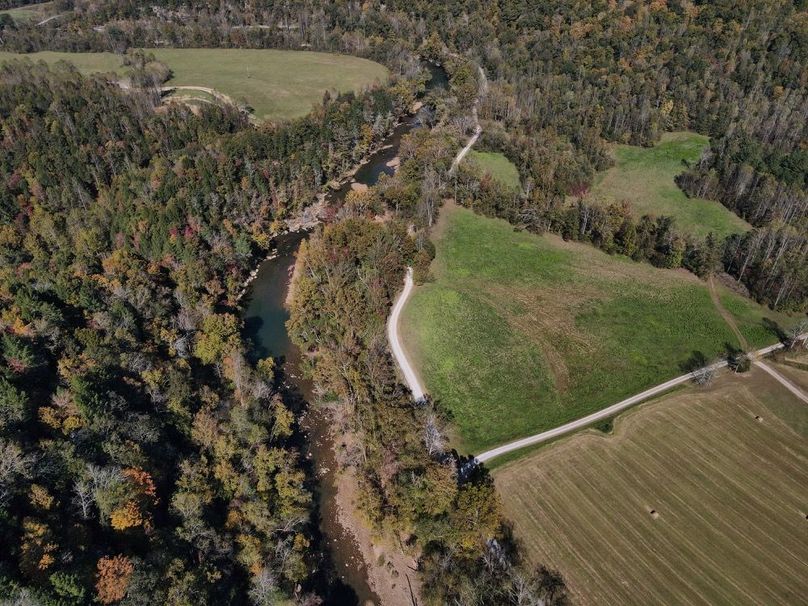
(144,456)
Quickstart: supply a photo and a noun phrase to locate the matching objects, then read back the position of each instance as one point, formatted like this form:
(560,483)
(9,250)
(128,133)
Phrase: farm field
(645,177)
(498,166)
(277,84)
(698,498)
(30,12)
(520,333)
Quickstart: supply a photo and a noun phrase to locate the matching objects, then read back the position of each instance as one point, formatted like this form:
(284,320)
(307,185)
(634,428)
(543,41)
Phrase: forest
(143,455)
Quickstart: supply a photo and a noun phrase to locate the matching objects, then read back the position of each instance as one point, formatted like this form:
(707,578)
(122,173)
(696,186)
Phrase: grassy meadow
(698,498)
(277,84)
(30,12)
(645,177)
(520,333)
(498,166)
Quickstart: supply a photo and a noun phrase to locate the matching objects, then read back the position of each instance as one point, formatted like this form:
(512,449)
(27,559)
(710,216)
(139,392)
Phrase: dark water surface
(265,317)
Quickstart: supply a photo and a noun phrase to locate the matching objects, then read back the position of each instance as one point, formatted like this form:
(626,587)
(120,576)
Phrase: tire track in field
(728,317)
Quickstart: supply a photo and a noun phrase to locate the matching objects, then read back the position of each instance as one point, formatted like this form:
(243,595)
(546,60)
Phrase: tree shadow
(732,350)
(775,329)
(696,360)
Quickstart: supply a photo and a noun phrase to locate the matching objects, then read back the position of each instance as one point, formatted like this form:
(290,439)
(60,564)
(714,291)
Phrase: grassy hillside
(520,333)
(724,472)
(277,84)
(645,177)
(497,165)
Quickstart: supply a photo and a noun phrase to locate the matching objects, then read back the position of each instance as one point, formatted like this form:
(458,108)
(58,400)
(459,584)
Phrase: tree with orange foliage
(134,512)
(113,578)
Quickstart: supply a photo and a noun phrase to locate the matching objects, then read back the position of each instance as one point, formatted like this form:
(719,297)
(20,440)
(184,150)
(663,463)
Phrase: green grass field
(30,12)
(724,469)
(498,166)
(645,177)
(520,333)
(277,84)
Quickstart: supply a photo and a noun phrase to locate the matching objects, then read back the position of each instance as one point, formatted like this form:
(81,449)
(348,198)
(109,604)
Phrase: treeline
(443,507)
(143,456)
(772,262)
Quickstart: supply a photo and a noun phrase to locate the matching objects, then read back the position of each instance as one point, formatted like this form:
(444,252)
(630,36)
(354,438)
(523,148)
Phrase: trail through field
(783,381)
(478,129)
(728,317)
(49,19)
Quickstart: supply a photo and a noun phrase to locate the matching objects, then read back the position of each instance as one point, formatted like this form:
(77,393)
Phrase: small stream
(265,315)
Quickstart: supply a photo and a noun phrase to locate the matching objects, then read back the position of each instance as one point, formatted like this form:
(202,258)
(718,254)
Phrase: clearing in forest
(698,498)
(498,166)
(644,176)
(277,84)
(520,333)
(31,12)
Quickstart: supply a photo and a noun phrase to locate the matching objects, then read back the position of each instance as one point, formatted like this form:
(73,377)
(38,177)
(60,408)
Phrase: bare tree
(264,589)
(433,436)
(703,376)
(14,464)
(83,498)
(794,333)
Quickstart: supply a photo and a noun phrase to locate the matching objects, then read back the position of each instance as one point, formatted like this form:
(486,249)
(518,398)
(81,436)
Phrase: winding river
(265,315)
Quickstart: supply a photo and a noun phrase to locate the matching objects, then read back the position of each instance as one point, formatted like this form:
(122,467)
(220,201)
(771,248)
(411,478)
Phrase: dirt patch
(439,227)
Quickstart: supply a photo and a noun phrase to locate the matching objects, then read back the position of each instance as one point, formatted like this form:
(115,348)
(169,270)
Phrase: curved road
(417,389)
(395,342)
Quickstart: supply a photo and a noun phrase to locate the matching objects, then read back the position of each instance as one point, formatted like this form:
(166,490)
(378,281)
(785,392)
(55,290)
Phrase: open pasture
(521,333)
(645,178)
(276,84)
(498,166)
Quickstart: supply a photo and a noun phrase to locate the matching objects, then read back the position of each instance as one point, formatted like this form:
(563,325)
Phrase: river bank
(367,570)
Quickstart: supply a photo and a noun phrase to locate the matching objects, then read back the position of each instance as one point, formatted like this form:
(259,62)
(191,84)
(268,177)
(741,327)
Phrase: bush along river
(265,314)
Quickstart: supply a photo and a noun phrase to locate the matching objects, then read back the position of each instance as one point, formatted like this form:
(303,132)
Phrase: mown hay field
(698,498)
(645,178)
(277,84)
(520,333)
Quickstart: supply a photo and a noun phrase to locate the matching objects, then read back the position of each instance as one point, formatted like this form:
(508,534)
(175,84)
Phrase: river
(265,315)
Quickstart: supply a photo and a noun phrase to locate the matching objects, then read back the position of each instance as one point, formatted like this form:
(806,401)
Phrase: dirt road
(628,402)
(410,377)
